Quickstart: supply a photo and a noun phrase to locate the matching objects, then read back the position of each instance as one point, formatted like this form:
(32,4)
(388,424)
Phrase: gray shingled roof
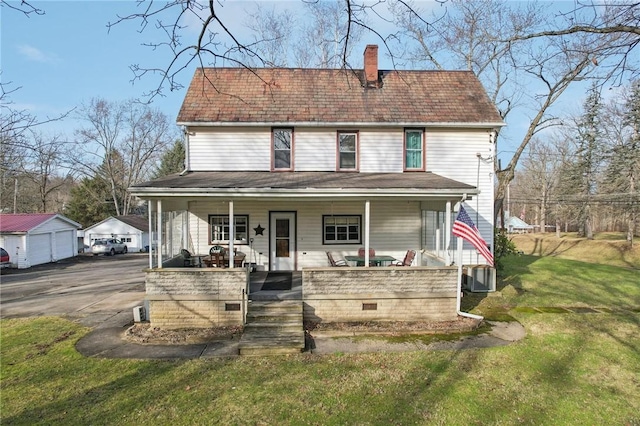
(296,181)
(138,222)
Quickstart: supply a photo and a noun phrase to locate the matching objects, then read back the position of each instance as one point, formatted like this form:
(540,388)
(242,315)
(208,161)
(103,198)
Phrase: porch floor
(282,285)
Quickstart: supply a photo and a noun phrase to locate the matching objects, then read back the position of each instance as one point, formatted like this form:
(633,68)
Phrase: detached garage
(33,239)
(131,229)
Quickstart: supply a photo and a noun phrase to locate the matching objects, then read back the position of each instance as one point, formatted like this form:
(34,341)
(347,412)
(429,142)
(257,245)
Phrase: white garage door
(39,249)
(64,245)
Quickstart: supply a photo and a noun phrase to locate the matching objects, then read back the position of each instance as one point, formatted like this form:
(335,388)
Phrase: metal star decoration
(259,230)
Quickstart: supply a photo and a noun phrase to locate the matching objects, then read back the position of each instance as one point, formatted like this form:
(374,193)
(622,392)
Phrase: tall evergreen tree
(90,202)
(624,165)
(583,174)
(172,161)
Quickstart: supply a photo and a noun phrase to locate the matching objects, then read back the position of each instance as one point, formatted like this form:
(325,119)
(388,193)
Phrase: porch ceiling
(303,185)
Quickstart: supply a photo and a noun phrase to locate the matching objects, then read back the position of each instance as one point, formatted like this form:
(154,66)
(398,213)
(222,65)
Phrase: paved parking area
(88,289)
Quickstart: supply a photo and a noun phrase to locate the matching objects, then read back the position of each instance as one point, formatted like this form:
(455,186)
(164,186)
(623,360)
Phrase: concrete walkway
(107,341)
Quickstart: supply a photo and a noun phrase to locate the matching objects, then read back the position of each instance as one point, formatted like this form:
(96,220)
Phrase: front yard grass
(571,368)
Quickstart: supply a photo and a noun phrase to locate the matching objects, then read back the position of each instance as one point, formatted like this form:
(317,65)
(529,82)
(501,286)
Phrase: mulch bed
(394,328)
(143,333)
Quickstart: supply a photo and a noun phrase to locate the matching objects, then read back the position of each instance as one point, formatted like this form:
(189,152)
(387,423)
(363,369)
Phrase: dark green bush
(502,246)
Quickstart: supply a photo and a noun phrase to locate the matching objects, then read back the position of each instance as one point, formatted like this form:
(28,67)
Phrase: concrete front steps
(274,327)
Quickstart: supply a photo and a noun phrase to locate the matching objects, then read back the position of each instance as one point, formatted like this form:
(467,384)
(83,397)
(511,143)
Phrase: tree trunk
(543,209)
(631,228)
(588,231)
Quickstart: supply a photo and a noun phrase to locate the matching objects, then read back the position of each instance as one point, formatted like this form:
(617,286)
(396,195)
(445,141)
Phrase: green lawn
(572,368)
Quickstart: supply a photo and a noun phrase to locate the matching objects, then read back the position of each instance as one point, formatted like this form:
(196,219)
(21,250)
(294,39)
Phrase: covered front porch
(279,225)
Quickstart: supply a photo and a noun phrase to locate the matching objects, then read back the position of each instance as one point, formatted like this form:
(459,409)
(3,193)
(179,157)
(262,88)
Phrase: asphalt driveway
(86,288)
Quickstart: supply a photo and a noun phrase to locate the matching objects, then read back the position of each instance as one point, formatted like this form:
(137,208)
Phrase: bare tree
(22,6)
(272,34)
(19,143)
(45,168)
(325,40)
(539,177)
(615,22)
(121,144)
(500,41)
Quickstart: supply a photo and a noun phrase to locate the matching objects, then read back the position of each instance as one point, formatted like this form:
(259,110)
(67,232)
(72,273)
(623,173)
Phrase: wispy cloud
(37,55)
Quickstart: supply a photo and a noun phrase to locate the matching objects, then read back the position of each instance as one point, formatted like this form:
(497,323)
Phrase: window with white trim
(347,150)
(345,229)
(282,149)
(414,149)
(219,228)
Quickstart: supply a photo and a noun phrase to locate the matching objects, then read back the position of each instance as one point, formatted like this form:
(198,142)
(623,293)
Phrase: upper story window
(414,149)
(282,154)
(219,228)
(348,150)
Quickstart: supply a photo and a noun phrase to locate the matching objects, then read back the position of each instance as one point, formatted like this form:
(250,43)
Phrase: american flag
(465,228)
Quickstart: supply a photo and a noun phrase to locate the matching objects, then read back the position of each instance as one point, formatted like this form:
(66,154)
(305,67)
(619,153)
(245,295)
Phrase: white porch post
(185,232)
(150,207)
(438,235)
(159,233)
(459,283)
(232,234)
(447,245)
(367,213)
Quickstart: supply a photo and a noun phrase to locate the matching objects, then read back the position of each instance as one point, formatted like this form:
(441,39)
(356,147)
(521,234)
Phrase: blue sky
(68,56)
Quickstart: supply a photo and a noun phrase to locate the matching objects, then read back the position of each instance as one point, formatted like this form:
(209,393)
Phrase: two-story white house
(286,165)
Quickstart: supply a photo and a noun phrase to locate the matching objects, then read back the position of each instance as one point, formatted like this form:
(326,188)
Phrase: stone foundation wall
(379,294)
(195,297)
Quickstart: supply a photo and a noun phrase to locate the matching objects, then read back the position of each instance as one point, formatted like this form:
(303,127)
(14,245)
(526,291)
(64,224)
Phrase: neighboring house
(287,164)
(33,239)
(130,229)
(518,226)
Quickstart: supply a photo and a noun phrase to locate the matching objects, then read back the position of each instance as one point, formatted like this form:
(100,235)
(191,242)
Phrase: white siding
(15,245)
(55,224)
(453,154)
(228,149)
(224,149)
(449,152)
(315,150)
(395,228)
(381,150)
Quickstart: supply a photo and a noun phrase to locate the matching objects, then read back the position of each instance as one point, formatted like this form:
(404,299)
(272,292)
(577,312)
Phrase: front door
(282,234)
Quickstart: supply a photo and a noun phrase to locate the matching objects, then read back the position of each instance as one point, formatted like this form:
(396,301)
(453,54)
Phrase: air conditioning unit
(139,314)
(479,278)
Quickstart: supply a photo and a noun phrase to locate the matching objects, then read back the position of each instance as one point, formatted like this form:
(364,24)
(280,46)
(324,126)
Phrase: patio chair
(361,253)
(408,259)
(333,262)
(188,260)
(217,256)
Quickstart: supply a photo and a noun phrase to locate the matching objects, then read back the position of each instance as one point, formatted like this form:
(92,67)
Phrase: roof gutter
(340,124)
(300,193)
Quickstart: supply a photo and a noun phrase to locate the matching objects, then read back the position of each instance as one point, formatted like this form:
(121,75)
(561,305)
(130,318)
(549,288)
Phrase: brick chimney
(371,65)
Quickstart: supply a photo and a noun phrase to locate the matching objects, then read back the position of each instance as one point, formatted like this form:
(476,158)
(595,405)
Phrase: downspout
(187,162)
(459,284)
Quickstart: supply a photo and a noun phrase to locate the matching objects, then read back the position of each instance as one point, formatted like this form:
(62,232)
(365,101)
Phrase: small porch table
(378,260)
(238,260)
